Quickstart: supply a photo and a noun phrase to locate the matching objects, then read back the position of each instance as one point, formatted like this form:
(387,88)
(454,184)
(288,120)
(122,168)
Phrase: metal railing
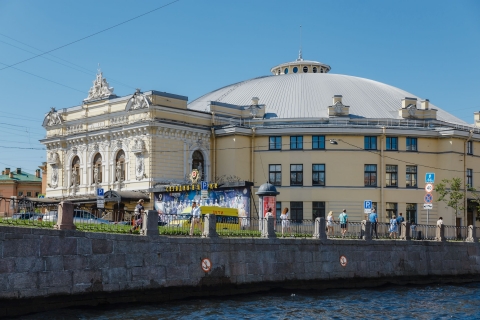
(28,214)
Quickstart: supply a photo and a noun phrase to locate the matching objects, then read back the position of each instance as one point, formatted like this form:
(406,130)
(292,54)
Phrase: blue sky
(191,47)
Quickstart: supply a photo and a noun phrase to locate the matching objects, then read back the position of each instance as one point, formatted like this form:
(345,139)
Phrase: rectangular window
(29,193)
(411,212)
(470,147)
(318,142)
(296,174)
(411,177)
(370,177)
(296,143)
(278,209)
(318,209)
(318,174)
(391,210)
(391,176)
(296,209)
(392,143)
(470,177)
(275,143)
(20,193)
(411,144)
(370,143)
(275,174)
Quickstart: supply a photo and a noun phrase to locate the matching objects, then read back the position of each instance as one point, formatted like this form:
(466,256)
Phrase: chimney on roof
(7,170)
(19,170)
(255,101)
(425,104)
(37,173)
(337,98)
(10,175)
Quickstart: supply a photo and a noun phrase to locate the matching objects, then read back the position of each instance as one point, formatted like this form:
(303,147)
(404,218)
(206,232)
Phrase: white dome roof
(308,95)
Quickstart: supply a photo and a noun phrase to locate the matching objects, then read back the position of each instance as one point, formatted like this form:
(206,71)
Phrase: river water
(390,302)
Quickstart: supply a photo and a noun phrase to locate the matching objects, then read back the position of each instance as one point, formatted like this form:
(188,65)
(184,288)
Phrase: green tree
(450,191)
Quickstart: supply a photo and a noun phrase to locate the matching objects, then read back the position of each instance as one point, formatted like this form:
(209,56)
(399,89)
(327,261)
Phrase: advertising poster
(269,202)
(181,202)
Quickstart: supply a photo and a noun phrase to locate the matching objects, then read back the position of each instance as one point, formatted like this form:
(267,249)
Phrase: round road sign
(343,261)
(428,198)
(206,265)
(429,187)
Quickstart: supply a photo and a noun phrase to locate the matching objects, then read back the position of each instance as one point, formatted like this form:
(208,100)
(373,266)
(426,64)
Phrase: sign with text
(427,206)
(367,206)
(429,187)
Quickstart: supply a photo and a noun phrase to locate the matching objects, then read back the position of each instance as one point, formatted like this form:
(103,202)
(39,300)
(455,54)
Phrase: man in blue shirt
(373,218)
(400,219)
(343,222)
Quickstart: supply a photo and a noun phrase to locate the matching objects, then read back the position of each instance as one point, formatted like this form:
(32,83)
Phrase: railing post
(440,235)
(150,223)
(405,231)
(366,230)
(472,236)
(269,228)
(65,216)
(320,226)
(210,226)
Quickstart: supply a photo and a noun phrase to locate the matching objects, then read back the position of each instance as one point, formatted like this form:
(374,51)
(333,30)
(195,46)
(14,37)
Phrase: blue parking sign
(204,185)
(100,192)
(367,206)
(429,177)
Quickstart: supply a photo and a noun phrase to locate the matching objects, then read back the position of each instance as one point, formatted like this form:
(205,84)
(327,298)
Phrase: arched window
(120,166)
(97,168)
(198,163)
(75,171)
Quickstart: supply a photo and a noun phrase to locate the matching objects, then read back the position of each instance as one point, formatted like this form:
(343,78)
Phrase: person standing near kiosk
(195,217)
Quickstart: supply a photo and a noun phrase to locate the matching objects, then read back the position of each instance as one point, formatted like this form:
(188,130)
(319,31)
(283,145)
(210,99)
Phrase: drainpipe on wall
(214,162)
(252,167)
(465,177)
(382,204)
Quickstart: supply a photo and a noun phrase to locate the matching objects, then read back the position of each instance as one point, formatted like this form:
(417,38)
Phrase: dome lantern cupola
(300,66)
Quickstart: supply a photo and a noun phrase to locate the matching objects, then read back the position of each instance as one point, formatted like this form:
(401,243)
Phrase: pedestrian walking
(138,216)
(400,219)
(393,227)
(343,217)
(285,221)
(439,222)
(330,222)
(373,218)
(413,228)
(195,217)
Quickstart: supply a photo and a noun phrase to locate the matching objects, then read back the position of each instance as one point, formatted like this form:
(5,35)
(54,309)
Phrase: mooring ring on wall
(206,264)
(343,261)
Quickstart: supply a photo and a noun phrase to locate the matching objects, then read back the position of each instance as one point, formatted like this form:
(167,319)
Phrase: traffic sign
(204,194)
(428,198)
(427,206)
(204,185)
(429,187)
(343,261)
(430,177)
(367,206)
(100,203)
(100,193)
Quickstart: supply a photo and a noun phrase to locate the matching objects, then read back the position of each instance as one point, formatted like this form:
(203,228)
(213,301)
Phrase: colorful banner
(269,202)
(181,202)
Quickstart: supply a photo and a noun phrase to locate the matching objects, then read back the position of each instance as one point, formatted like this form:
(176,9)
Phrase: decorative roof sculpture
(52,118)
(100,89)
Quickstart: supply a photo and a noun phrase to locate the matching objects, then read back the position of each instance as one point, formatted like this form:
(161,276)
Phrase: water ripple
(392,302)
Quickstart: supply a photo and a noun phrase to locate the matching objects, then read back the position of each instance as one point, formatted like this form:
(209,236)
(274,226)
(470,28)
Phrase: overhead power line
(89,36)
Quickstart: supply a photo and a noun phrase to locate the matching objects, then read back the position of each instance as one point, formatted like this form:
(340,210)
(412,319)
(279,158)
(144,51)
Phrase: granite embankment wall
(42,269)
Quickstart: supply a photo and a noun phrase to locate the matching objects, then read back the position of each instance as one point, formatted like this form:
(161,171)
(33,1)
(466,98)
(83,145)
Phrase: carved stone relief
(137,101)
(139,166)
(52,118)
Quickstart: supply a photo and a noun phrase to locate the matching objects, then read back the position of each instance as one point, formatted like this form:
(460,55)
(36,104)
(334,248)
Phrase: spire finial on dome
(300,58)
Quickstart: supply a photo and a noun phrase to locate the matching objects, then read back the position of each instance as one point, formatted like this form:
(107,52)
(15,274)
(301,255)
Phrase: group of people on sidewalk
(342,217)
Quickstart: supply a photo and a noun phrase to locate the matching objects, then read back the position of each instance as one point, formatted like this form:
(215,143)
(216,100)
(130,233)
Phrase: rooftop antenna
(300,58)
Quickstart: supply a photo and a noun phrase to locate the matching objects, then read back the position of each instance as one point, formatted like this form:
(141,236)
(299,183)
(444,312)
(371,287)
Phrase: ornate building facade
(326,141)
